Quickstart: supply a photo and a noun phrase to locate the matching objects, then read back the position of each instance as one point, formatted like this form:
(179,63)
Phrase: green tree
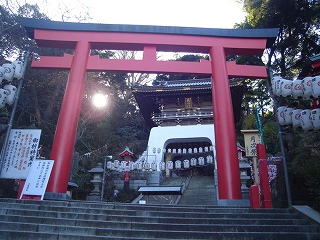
(298,39)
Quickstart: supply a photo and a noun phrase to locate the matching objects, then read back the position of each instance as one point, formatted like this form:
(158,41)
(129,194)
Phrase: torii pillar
(64,140)
(149,39)
(225,133)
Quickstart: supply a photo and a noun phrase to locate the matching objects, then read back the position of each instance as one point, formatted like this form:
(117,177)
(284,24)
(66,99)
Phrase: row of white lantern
(7,94)
(130,166)
(189,163)
(189,150)
(9,71)
(307,119)
(307,88)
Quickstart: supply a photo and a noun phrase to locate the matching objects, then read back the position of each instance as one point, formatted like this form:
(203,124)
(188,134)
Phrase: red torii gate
(216,42)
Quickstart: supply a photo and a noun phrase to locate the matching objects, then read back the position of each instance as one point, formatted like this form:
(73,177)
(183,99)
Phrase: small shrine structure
(128,156)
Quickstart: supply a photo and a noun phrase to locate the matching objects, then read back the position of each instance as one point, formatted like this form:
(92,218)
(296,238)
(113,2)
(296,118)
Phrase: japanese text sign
(38,178)
(21,151)
(251,139)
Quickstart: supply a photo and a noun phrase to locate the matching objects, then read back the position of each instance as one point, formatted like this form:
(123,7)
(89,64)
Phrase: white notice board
(38,178)
(21,151)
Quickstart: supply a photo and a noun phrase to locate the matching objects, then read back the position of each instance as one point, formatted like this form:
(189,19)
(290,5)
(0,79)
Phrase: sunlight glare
(99,100)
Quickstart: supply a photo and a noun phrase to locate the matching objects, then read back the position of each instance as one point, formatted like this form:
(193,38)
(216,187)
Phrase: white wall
(161,136)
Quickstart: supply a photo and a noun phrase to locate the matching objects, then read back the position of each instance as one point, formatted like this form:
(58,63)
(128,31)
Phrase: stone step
(147,234)
(22,219)
(87,227)
(99,219)
(50,206)
(73,213)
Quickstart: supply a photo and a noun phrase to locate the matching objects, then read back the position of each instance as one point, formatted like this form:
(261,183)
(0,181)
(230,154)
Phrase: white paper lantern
(3,97)
(315,87)
(275,82)
(295,117)
(177,164)
(9,71)
(146,166)
(288,115)
(285,87)
(116,163)
(315,118)
(280,115)
(18,71)
(186,163)
(297,89)
(123,164)
(139,165)
(306,86)
(305,117)
(11,93)
(201,161)
(209,159)
(153,166)
(193,162)
(132,166)
(109,165)
(162,166)
(2,71)
(170,165)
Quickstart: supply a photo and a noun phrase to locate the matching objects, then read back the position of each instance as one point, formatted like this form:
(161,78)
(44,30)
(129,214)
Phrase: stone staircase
(56,220)
(200,191)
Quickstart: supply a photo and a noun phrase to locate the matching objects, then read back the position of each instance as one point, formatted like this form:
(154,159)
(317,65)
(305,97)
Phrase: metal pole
(14,108)
(283,152)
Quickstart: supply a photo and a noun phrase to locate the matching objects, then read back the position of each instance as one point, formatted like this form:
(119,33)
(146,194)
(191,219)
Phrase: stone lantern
(97,172)
(245,172)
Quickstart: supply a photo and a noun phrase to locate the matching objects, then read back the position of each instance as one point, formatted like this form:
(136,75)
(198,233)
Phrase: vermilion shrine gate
(218,43)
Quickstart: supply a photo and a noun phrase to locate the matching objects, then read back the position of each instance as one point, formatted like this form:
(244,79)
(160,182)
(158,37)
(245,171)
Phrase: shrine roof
(311,67)
(127,152)
(31,24)
(184,88)
(175,85)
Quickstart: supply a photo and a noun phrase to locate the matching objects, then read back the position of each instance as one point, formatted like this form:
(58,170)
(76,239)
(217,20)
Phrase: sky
(187,13)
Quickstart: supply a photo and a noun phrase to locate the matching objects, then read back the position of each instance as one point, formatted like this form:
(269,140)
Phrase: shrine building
(180,114)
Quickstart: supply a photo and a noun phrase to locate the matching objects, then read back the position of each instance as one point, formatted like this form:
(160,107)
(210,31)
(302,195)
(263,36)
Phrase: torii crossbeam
(218,43)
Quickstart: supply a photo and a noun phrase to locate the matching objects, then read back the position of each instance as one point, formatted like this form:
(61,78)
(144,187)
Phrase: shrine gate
(218,43)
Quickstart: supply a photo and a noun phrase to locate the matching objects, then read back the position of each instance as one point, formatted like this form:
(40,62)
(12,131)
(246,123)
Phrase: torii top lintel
(150,39)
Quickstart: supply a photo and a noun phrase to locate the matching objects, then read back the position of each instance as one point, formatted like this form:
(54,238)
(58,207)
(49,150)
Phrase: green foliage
(298,39)
(82,179)
(298,36)
(185,58)
(270,131)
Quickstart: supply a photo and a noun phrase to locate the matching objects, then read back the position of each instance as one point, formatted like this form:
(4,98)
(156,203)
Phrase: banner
(21,151)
